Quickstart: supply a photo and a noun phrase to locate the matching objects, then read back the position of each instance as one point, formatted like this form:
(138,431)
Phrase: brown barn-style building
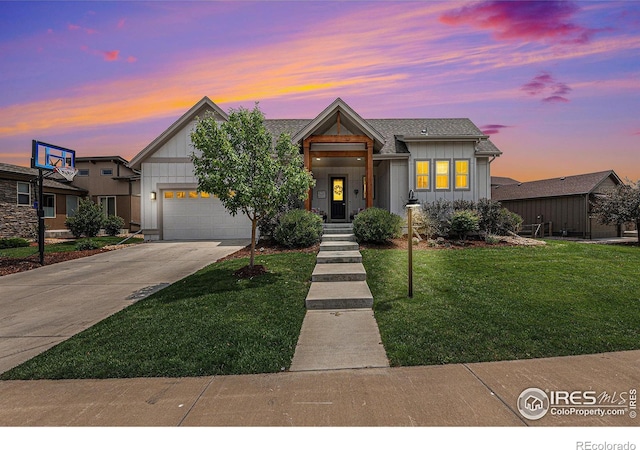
(566,202)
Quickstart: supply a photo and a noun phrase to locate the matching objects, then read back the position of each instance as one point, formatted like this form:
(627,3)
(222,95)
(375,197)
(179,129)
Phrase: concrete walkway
(45,306)
(339,330)
(481,394)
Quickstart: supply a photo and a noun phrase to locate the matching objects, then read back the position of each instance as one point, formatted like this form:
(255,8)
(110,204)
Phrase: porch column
(306,146)
(369,173)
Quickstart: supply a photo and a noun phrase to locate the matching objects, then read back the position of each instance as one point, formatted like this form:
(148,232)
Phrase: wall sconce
(152,196)
(355,191)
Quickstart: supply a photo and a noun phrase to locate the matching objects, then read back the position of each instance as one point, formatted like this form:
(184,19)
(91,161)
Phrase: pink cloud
(121,23)
(529,21)
(544,84)
(111,55)
(132,59)
(74,27)
(493,129)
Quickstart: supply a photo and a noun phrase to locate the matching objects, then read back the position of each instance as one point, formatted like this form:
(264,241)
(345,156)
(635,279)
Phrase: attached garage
(189,215)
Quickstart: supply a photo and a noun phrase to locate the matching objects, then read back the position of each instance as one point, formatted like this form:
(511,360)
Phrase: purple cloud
(493,128)
(528,21)
(544,84)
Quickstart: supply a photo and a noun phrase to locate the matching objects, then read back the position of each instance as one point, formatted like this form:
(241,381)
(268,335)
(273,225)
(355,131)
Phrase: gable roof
(29,174)
(553,187)
(501,181)
(203,106)
(338,105)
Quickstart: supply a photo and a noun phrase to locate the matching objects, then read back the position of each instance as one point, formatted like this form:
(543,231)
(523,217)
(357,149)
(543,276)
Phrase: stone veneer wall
(15,221)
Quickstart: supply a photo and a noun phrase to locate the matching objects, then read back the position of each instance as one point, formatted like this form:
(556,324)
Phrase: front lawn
(66,246)
(487,304)
(210,323)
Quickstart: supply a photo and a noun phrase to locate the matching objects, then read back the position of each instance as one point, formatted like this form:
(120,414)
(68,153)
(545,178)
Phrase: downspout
(587,231)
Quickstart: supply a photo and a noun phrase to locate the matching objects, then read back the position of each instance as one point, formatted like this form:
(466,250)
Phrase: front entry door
(338,198)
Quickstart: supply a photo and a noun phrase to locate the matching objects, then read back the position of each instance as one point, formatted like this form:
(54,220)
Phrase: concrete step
(338,228)
(339,295)
(338,246)
(339,237)
(347,256)
(339,272)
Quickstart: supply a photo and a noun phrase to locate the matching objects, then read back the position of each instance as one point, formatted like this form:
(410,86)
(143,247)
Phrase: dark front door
(338,198)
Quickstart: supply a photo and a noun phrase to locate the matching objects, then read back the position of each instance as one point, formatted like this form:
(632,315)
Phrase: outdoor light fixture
(152,196)
(355,191)
(411,205)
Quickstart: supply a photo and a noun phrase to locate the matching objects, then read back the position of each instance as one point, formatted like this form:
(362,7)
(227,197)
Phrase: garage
(190,215)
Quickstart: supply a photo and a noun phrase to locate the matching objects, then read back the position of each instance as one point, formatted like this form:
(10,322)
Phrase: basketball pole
(41,216)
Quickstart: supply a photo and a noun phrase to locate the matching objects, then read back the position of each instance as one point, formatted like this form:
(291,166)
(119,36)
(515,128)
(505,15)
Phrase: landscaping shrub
(87,221)
(464,222)
(376,225)
(268,224)
(13,243)
(112,225)
(298,229)
(87,244)
(439,213)
(509,222)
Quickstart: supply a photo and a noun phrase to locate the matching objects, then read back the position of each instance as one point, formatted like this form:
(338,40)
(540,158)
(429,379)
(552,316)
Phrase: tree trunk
(254,224)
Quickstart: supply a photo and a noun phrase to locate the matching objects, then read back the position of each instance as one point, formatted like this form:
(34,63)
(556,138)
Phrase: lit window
(442,174)
(168,194)
(181,194)
(422,174)
(204,195)
(193,194)
(24,194)
(462,174)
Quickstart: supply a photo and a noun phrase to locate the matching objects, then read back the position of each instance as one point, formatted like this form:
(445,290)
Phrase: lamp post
(411,205)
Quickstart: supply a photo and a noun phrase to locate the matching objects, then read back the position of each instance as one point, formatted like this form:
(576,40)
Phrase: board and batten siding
(479,186)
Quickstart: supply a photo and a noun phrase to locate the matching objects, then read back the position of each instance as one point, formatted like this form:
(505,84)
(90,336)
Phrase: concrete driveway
(42,307)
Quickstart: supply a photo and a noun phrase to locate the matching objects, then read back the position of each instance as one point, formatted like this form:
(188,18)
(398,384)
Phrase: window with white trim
(24,194)
(108,205)
(49,205)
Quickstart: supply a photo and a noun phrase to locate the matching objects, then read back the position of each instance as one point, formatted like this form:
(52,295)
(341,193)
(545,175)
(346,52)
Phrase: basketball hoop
(67,172)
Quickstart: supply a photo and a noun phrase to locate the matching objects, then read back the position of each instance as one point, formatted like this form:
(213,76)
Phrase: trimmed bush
(87,244)
(464,222)
(87,221)
(13,243)
(376,225)
(112,225)
(439,213)
(298,229)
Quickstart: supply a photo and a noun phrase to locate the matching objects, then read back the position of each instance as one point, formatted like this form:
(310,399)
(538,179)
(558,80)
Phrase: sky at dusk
(555,84)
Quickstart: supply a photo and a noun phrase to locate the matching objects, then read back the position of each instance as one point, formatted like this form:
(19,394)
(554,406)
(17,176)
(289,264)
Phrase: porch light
(317,159)
(152,196)
(411,205)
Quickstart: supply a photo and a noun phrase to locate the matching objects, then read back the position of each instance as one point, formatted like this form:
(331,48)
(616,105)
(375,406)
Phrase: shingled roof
(553,187)
(30,173)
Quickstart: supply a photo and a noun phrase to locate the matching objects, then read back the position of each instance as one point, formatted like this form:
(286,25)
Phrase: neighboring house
(356,163)
(502,181)
(566,202)
(112,184)
(18,194)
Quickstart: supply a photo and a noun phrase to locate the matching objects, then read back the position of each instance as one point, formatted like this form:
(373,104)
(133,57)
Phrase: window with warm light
(193,194)
(181,194)
(422,175)
(168,194)
(204,195)
(462,174)
(442,174)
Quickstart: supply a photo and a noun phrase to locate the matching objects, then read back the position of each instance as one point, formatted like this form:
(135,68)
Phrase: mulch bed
(15,265)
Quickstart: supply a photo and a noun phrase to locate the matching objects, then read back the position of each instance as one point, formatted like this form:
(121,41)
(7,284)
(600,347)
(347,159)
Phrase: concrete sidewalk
(47,305)
(481,394)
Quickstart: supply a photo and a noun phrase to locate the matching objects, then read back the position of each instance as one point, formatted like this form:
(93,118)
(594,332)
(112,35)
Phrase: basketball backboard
(49,157)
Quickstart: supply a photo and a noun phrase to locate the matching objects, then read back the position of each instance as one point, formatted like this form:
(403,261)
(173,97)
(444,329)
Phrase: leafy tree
(619,206)
(239,164)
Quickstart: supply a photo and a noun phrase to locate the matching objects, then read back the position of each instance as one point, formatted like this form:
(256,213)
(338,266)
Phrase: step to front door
(348,256)
(339,272)
(338,246)
(339,295)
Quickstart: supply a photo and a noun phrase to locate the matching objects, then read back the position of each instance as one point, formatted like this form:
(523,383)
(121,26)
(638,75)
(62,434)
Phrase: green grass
(210,323)
(68,246)
(490,304)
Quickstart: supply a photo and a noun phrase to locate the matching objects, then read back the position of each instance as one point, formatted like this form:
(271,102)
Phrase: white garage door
(189,215)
